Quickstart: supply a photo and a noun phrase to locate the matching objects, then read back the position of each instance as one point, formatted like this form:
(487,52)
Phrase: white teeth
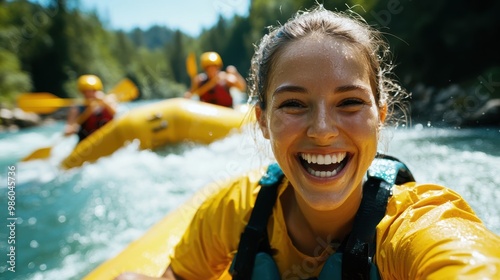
(323,159)
(322,174)
(329,159)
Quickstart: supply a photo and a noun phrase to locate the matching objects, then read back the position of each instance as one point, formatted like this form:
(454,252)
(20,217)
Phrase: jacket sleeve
(430,232)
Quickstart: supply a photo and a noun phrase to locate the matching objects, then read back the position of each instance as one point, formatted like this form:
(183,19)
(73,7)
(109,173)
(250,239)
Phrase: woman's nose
(322,124)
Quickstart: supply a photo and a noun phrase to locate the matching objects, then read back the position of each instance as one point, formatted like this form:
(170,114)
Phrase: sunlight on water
(71,221)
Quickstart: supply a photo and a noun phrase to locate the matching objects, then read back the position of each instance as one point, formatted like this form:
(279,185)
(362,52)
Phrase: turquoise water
(68,222)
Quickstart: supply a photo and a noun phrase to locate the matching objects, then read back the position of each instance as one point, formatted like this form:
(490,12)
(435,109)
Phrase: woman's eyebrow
(340,89)
(289,88)
(348,88)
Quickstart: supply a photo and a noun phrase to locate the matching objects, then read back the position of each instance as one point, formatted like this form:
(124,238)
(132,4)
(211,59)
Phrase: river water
(69,221)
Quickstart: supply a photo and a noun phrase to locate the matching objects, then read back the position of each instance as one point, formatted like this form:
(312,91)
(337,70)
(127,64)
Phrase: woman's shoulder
(425,199)
(414,191)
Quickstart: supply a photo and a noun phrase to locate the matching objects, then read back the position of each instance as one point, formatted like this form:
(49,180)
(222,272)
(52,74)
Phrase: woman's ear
(382,112)
(261,119)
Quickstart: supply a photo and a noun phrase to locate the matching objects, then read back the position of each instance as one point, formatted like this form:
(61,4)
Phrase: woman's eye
(291,104)
(351,102)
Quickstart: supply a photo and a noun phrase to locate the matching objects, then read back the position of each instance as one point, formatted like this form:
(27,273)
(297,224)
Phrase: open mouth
(323,166)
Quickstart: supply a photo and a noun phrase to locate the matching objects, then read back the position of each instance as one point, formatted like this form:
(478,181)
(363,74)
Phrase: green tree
(238,50)
(176,54)
(49,65)
(215,38)
(12,79)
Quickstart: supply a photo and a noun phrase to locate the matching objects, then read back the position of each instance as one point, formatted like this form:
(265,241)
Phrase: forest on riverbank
(446,52)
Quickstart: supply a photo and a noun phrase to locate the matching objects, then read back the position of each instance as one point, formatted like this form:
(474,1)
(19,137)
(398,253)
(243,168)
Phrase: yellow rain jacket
(428,232)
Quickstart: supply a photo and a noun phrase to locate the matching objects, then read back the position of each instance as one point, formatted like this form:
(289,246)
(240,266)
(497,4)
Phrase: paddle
(41,153)
(46,103)
(191,65)
(124,91)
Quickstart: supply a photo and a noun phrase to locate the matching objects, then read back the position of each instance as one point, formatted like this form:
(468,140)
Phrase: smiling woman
(329,101)
(328,209)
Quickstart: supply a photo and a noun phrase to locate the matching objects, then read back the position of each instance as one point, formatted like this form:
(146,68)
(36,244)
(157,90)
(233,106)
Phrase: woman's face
(212,71)
(321,119)
(89,94)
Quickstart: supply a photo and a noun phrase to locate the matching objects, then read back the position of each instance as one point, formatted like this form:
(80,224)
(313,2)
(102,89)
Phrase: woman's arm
(430,232)
(107,101)
(234,78)
(71,126)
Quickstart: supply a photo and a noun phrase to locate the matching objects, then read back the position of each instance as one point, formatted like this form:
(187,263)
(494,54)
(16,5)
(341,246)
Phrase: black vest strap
(359,249)
(360,246)
(255,232)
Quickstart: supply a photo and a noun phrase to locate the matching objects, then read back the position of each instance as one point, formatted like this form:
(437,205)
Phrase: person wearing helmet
(97,111)
(213,85)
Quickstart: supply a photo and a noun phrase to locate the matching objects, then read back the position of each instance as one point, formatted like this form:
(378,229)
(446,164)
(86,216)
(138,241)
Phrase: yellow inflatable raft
(156,125)
(149,254)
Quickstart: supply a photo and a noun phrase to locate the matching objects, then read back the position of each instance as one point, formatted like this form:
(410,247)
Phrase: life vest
(353,259)
(219,94)
(93,122)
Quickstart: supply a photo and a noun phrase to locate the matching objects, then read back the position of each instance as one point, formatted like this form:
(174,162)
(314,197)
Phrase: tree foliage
(46,47)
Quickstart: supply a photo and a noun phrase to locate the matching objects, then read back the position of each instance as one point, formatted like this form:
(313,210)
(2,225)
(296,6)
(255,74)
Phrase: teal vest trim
(353,260)
(390,169)
(331,269)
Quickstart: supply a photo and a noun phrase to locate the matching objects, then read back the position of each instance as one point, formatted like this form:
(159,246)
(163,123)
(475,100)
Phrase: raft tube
(167,122)
(149,255)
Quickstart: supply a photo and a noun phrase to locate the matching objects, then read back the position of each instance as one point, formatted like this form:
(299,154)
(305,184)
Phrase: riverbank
(455,107)
(15,119)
